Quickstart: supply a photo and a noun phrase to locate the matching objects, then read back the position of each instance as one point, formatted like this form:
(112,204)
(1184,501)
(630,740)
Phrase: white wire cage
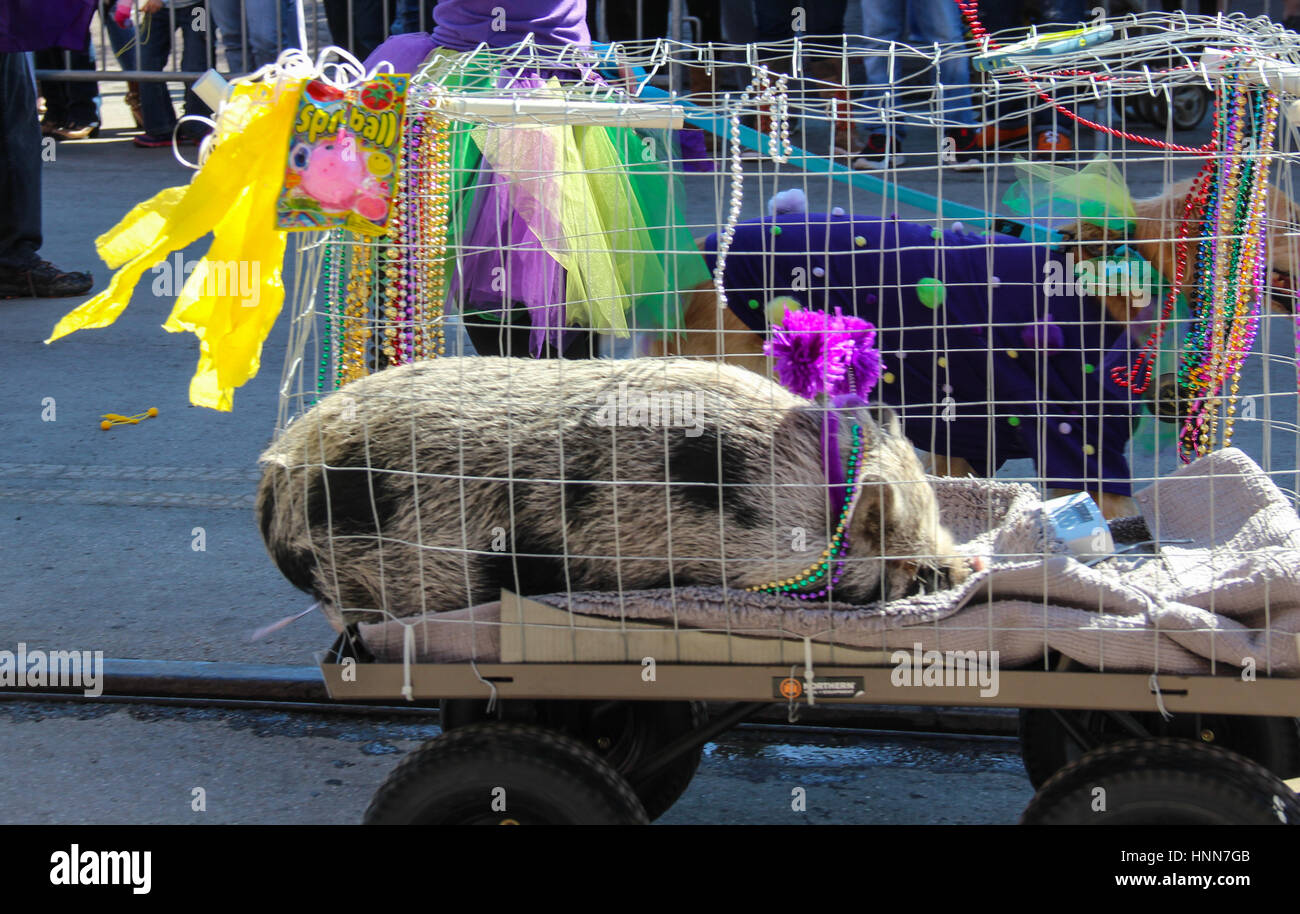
(403,493)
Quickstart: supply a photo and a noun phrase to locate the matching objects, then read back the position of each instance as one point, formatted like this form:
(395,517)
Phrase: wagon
(579,707)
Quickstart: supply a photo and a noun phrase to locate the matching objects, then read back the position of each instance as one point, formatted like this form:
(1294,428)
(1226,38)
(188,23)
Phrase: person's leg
(363,31)
(267,27)
(228,15)
(883,20)
(1053,131)
(71,109)
(53,91)
(738,23)
(1004,118)
(940,21)
(155,101)
(20,164)
(197,50)
(22,272)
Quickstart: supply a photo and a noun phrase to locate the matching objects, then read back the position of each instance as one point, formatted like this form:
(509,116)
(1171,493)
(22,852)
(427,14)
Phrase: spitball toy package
(343,154)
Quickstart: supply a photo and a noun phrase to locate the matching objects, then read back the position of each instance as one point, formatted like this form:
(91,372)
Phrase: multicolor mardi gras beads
(838,547)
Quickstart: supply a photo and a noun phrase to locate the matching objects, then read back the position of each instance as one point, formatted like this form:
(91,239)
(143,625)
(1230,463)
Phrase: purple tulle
(816,352)
(502,263)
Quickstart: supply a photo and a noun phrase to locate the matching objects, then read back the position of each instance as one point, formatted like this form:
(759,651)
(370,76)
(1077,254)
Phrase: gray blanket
(1222,589)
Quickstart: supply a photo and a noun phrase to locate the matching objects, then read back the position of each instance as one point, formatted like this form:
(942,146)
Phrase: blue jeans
(774,19)
(272,26)
(155,37)
(938,21)
(20,163)
(408,18)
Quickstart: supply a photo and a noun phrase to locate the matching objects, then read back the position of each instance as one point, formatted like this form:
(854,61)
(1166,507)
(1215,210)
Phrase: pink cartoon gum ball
(334,174)
(372,208)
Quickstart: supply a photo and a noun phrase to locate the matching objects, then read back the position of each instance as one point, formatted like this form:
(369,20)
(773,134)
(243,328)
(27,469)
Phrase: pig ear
(871,514)
(882,418)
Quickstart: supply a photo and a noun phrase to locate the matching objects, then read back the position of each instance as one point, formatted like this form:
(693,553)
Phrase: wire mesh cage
(761,353)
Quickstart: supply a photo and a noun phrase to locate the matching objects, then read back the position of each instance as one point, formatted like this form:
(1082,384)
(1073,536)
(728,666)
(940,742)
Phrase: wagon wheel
(504,774)
(623,733)
(1190,103)
(1163,782)
(1047,745)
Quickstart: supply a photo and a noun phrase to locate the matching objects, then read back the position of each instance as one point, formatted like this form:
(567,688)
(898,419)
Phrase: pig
(431,486)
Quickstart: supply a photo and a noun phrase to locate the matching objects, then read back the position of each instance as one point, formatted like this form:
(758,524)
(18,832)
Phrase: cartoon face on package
(342,157)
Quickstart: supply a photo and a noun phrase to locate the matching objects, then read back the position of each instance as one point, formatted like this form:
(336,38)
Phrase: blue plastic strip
(719,126)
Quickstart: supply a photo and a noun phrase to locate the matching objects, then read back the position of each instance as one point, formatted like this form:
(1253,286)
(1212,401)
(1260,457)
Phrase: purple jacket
(35,25)
(1045,385)
(463,24)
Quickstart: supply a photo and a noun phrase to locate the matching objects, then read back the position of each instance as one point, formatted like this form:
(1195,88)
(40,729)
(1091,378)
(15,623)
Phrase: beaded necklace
(1230,265)
(838,547)
(356,312)
(403,273)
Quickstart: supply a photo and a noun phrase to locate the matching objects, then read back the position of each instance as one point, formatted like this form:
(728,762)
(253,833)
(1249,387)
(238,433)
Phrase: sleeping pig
(432,486)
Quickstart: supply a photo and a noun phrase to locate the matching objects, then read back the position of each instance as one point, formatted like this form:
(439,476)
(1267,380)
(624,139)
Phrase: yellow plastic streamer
(232,196)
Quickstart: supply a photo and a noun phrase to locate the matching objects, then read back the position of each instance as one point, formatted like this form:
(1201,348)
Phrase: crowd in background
(145,34)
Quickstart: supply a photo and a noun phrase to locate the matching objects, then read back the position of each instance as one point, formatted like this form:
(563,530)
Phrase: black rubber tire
(1163,782)
(623,733)
(1273,742)
(1190,105)
(548,779)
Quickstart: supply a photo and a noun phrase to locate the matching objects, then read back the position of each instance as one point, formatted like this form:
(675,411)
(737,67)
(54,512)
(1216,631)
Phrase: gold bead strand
(356,324)
(439,219)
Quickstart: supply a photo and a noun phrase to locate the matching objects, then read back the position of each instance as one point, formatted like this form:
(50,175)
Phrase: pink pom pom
(816,352)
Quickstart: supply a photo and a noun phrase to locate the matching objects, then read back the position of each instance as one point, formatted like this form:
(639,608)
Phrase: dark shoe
(152,141)
(963,148)
(49,125)
(880,151)
(77,131)
(194,137)
(991,136)
(42,280)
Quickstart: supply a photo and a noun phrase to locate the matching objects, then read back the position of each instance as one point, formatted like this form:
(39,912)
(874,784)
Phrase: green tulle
(612,193)
(1095,193)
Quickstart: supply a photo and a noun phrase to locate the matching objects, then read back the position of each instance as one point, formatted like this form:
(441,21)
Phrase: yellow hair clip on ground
(112,419)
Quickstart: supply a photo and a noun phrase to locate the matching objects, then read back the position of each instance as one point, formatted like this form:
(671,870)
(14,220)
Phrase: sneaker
(77,131)
(1053,141)
(194,137)
(880,151)
(991,136)
(152,141)
(963,148)
(42,280)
